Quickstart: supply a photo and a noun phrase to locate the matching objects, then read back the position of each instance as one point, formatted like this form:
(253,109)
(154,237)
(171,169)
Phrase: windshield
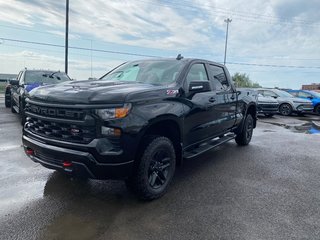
(45,77)
(314,94)
(152,72)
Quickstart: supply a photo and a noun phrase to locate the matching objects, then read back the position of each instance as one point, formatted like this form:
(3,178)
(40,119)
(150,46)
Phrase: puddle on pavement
(312,127)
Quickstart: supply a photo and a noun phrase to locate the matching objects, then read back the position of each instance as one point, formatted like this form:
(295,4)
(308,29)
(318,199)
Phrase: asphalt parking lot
(267,190)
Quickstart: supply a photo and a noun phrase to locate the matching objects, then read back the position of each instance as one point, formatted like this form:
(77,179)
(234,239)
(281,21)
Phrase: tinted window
(218,80)
(197,72)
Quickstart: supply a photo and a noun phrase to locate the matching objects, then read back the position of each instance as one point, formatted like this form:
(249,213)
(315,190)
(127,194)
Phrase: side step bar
(191,153)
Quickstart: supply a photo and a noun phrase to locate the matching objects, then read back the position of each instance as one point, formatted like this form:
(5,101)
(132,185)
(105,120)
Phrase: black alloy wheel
(155,168)
(159,169)
(244,137)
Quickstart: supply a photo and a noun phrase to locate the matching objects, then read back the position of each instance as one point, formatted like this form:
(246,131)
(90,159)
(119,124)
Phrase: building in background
(312,87)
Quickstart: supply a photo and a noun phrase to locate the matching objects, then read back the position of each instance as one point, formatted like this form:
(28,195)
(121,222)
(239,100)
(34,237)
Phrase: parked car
(267,105)
(313,96)
(288,104)
(137,122)
(28,80)
(7,96)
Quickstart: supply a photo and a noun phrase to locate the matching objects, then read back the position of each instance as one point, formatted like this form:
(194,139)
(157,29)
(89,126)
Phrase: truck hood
(88,91)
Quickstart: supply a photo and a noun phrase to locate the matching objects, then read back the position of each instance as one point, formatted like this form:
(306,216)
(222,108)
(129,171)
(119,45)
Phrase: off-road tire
(244,137)
(141,182)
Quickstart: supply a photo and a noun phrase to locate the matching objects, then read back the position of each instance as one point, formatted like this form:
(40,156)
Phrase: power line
(153,56)
(273,65)
(249,15)
(78,48)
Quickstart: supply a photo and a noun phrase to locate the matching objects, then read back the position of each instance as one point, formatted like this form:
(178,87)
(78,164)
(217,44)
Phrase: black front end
(68,138)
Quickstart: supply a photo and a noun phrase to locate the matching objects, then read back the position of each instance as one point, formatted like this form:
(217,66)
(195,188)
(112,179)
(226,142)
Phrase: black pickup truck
(137,122)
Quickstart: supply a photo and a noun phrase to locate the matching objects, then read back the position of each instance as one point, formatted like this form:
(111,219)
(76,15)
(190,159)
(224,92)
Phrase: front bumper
(79,160)
(304,108)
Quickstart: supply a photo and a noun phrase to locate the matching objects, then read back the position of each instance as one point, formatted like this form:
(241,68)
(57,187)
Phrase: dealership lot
(268,190)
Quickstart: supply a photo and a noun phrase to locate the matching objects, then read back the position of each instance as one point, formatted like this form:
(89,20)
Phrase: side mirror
(199,86)
(14,82)
(274,96)
(310,97)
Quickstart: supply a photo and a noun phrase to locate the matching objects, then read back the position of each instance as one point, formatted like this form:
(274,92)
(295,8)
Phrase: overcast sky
(275,42)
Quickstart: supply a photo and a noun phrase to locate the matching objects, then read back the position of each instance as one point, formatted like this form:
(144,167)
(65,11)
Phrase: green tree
(243,80)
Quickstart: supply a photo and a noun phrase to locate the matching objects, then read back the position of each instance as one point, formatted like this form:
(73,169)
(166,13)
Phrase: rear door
(202,119)
(226,97)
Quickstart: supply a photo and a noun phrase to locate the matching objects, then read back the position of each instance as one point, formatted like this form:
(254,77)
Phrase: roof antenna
(179,57)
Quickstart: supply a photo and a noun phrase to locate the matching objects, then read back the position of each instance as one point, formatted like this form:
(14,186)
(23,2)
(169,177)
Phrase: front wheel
(244,137)
(155,170)
(285,109)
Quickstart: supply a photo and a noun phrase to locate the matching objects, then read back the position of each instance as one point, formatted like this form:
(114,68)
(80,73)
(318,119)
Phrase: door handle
(212,99)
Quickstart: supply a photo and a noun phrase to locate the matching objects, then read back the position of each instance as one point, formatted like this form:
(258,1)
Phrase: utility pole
(66,38)
(228,20)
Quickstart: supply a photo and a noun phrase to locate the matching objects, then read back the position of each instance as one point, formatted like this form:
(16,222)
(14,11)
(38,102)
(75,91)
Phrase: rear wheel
(244,137)
(155,171)
(285,109)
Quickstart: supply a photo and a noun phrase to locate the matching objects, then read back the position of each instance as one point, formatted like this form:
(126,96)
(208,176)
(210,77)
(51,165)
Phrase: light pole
(228,20)
(66,38)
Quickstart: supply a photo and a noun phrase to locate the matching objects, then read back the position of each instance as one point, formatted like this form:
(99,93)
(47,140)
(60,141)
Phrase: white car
(288,104)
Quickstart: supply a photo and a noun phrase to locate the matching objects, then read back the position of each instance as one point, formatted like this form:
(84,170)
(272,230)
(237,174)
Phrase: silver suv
(287,103)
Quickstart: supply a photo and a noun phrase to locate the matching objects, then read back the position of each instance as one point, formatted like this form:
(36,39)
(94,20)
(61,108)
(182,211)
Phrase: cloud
(280,32)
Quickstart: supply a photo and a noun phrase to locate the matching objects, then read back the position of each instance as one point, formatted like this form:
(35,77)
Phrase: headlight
(114,113)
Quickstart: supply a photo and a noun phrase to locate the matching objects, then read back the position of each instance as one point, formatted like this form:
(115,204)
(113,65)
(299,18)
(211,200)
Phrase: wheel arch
(168,126)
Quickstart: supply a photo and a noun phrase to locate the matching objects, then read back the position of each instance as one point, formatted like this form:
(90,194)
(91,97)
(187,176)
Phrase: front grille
(61,131)
(62,113)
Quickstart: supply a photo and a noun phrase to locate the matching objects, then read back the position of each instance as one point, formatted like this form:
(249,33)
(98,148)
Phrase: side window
(304,94)
(218,79)
(269,94)
(295,94)
(197,72)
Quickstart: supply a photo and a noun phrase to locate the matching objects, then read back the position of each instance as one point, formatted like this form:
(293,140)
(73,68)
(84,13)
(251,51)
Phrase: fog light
(106,131)
(29,151)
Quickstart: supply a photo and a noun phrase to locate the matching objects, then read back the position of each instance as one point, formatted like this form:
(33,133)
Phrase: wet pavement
(267,190)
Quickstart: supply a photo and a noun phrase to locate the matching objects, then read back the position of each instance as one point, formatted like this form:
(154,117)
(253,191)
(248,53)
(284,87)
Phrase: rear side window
(197,72)
(218,78)
(269,94)
(304,94)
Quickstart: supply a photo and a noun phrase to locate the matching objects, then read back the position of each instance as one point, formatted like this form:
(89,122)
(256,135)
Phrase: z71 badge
(172,92)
